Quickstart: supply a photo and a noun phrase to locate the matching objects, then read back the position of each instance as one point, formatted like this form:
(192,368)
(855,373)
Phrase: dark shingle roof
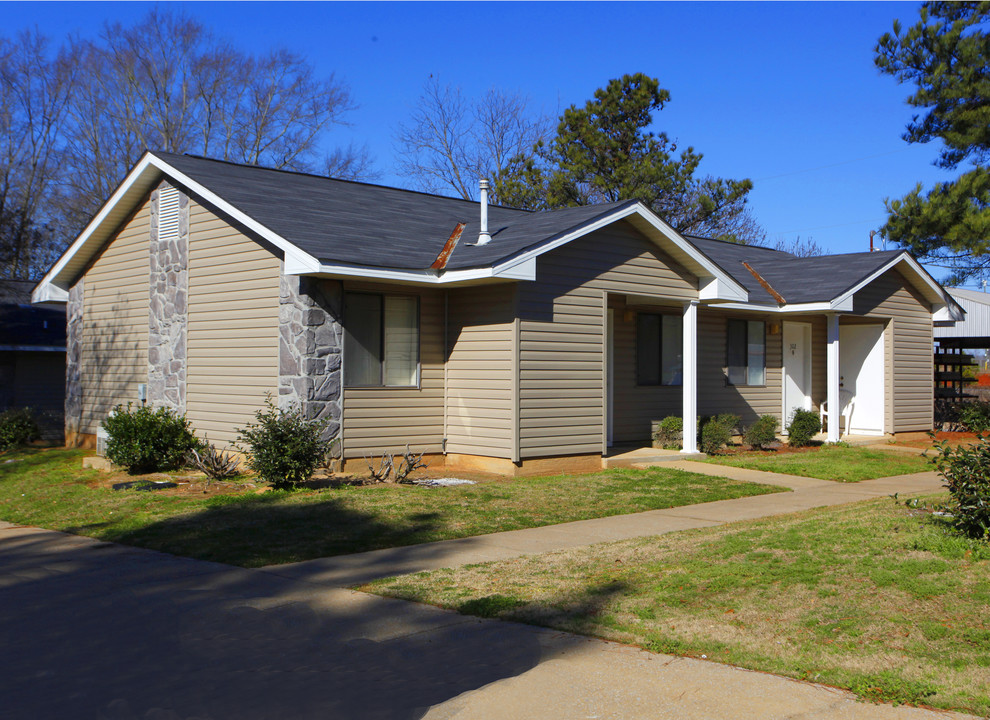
(345,222)
(23,324)
(817,279)
(796,279)
(340,221)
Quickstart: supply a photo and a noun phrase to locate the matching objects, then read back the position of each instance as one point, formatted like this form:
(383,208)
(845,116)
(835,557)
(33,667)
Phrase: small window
(381,342)
(746,347)
(659,356)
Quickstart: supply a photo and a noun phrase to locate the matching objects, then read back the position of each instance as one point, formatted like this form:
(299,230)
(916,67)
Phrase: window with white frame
(746,350)
(381,340)
(659,349)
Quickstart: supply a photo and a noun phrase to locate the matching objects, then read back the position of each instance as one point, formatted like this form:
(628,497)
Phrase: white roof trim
(812,307)
(943,306)
(714,283)
(54,286)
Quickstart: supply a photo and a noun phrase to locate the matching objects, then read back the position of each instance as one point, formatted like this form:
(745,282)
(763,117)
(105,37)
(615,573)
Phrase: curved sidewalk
(807,493)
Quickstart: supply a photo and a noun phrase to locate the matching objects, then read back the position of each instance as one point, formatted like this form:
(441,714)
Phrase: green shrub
(283,447)
(670,433)
(975,416)
(216,464)
(805,424)
(716,432)
(763,432)
(146,440)
(966,471)
(18,426)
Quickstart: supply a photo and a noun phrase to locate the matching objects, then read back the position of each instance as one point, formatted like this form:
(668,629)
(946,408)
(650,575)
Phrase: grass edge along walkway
(353,570)
(47,488)
(808,595)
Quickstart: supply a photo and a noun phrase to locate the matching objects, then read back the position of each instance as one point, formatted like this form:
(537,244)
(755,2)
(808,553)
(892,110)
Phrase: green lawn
(830,462)
(48,488)
(872,597)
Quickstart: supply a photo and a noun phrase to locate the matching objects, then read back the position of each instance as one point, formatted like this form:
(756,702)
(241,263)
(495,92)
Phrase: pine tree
(603,152)
(947,56)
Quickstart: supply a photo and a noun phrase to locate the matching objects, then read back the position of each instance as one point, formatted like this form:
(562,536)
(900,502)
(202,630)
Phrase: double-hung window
(746,345)
(659,354)
(381,340)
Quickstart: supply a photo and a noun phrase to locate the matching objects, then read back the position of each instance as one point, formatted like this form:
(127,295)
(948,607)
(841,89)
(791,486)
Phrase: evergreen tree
(946,56)
(604,152)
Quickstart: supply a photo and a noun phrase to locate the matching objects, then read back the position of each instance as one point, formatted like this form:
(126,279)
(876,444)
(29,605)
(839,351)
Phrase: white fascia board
(53,285)
(933,290)
(812,307)
(294,256)
(514,270)
(948,314)
(49,293)
(713,288)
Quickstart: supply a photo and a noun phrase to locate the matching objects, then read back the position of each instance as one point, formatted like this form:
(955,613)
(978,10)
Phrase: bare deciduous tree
(34,92)
(451,141)
(167,83)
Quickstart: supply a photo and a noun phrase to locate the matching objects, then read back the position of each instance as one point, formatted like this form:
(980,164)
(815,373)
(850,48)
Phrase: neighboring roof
(16,292)
(977,322)
(23,325)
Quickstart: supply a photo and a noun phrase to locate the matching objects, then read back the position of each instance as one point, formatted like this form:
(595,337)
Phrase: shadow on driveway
(96,630)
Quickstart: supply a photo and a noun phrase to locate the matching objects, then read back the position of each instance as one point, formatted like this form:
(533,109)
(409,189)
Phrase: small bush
(283,447)
(716,432)
(217,464)
(17,427)
(670,433)
(805,424)
(975,416)
(146,440)
(763,432)
(966,471)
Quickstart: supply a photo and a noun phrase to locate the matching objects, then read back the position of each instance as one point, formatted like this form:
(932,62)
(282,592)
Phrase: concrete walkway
(102,631)
(351,570)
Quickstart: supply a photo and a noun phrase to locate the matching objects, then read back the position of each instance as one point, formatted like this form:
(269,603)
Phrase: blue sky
(783,93)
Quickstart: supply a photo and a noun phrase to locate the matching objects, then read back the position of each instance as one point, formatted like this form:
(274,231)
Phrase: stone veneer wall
(73,364)
(310,344)
(167,310)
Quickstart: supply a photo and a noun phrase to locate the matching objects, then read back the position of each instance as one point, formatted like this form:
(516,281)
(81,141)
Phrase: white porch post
(689,377)
(832,373)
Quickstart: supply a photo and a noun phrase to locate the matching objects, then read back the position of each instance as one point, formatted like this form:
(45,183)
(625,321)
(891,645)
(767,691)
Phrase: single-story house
(32,355)
(488,337)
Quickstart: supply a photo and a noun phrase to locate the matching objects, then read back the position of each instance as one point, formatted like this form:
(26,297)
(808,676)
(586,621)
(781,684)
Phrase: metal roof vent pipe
(483,237)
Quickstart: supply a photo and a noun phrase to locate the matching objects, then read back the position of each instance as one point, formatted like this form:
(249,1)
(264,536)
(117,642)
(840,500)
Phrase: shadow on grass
(105,631)
(272,528)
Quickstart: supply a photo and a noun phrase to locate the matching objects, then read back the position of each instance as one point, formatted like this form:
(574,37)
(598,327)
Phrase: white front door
(797,369)
(861,367)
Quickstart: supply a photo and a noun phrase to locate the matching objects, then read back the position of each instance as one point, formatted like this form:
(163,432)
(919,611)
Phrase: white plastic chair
(846,403)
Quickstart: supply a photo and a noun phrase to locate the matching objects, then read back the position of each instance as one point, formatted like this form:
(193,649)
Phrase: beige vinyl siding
(636,406)
(908,349)
(382,419)
(481,402)
(715,394)
(114,348)
(562,333)
(232,332)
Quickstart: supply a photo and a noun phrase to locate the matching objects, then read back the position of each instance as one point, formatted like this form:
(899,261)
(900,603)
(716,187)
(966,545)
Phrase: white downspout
(689,377)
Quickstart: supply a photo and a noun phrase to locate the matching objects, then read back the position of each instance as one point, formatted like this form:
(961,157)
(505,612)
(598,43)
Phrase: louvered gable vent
(168,214)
